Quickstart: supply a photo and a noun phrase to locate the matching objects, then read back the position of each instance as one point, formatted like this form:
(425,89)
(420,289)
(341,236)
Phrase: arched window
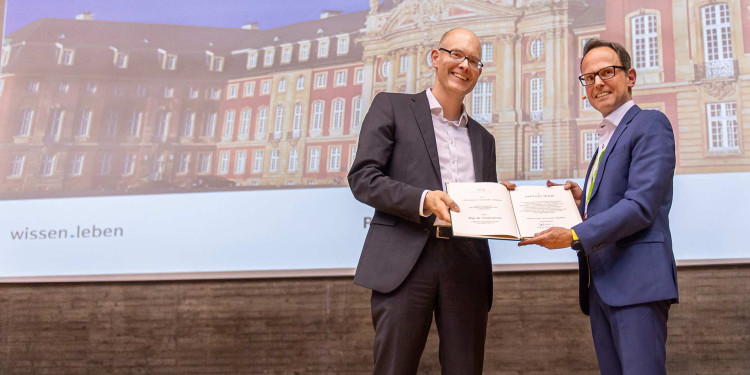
(337,116)
(317,115)
(297,121)
(385,68)
(262,119)
(645,37)
(536,50)
(25,120)
(356,111)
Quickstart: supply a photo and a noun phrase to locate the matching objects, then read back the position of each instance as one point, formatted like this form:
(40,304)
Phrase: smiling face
(607,95)
(451,77)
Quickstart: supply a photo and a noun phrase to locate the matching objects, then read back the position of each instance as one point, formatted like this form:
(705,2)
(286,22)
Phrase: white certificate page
(539,208)
(485,210)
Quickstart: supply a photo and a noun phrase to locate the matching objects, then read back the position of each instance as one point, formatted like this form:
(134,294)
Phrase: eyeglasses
(605,73)
(460,57)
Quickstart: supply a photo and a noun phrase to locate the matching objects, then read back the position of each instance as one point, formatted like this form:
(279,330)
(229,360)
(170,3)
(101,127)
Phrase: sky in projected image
(214,13)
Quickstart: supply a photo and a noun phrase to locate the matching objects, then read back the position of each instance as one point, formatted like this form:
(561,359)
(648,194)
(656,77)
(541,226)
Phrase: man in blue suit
(628,278)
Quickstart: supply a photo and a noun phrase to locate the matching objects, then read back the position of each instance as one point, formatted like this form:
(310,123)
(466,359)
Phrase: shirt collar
(437,110)
(616,116)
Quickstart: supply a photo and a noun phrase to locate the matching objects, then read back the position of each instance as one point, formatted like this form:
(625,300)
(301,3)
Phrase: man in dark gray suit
(410,145)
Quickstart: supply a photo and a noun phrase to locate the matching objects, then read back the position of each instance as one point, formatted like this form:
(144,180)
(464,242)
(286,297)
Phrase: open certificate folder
(490,210)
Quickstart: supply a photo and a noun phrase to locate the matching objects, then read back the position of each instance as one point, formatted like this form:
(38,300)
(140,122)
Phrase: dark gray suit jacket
(397,159)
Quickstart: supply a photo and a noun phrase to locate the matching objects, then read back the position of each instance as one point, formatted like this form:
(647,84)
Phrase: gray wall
(322,326)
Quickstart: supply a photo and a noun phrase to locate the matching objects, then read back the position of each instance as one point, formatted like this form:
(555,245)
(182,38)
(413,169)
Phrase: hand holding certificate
(490,210)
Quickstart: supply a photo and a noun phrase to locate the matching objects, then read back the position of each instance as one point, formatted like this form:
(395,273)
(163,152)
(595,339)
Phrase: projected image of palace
(92,106)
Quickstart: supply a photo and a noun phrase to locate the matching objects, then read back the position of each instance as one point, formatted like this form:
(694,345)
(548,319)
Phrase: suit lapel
(421,108)
(586,182)
(611,146)
(475,138)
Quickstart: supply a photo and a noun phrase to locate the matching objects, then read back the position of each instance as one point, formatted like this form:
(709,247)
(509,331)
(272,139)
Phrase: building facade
(112,107)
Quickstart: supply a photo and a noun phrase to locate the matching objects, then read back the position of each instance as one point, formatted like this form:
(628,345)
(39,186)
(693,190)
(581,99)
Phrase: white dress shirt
(453,146)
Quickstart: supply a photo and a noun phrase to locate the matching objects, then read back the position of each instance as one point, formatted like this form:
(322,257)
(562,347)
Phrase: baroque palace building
(89,105)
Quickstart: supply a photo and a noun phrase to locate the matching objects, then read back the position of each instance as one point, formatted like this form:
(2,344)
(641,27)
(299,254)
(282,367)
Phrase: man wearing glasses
(410,145)
(627,270)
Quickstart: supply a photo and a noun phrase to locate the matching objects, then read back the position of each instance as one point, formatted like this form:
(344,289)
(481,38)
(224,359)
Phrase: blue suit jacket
(627,245)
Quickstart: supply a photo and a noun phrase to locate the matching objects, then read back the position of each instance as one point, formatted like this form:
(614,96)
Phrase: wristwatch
(576,245)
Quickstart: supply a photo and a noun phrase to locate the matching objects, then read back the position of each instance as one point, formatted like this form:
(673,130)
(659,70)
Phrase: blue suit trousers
(629,340)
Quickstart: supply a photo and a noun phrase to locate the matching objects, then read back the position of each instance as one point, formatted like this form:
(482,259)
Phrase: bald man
(410,145)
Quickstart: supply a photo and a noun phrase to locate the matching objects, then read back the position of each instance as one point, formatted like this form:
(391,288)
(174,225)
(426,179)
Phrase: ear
(434,55)
(631,78)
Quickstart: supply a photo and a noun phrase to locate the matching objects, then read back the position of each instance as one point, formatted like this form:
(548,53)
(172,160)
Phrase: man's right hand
(574,189)
(438,202)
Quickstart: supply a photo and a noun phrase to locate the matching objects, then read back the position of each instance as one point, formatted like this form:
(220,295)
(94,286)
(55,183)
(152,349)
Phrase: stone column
(561,76)
(368,73)
(506,83)
(422,69)
(391,57)
(551,87)
(411,70)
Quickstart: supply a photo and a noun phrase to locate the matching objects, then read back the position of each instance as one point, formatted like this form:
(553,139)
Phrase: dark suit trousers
(453,280)
(629,340)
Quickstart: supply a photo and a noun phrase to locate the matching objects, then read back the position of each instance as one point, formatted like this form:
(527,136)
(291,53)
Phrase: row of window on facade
(168,61)
(111,123)
(723,135)
(716,33)
(91,88)
(316,118)
(723,130)
(721,115)
(722,123)
(303,51)
(320,79)
(49,165)
(135,120)
(481,95)
(105,167)
(336,123)
(169,91)
(275,164)
(481,100)
(644,31)
(645,37)
(404,61)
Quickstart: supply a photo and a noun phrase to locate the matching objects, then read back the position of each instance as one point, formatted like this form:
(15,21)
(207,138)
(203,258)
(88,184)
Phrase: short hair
(451,31)
(622,53)
(445,35)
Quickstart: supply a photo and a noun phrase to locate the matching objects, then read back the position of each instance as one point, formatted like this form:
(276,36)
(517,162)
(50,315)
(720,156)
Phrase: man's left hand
(552,238)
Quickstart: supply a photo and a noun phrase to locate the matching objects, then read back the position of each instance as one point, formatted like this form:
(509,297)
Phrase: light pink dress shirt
(605,131)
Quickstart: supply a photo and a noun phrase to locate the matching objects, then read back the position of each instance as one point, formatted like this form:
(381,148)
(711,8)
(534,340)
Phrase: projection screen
(195,139)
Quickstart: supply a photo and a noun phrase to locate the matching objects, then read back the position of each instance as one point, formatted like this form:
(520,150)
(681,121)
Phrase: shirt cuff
(422,211)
